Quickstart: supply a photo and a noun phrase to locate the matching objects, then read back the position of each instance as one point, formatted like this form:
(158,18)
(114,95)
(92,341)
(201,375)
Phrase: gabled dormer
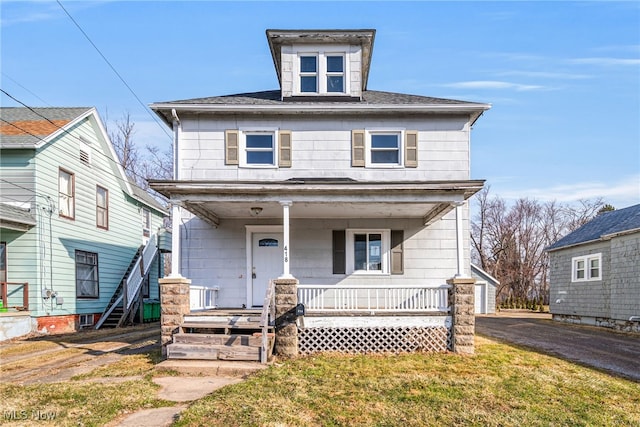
(321,64)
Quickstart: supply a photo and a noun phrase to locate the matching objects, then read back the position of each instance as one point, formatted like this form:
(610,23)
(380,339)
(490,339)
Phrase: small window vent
(85,320)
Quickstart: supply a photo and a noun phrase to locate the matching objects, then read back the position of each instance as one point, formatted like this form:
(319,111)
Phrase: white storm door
(480,298)
(267,256)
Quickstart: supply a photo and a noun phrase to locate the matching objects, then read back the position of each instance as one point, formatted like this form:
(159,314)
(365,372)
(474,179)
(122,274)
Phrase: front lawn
(500,386)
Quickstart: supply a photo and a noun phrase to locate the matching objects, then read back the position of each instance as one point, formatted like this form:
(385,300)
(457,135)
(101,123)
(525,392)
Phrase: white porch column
(459,240)
(286,247)
(175,241)
(175,207)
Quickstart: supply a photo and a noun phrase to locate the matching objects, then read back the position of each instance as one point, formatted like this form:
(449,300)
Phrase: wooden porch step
(213,352)
(192,318)
(221,324)
(217,339)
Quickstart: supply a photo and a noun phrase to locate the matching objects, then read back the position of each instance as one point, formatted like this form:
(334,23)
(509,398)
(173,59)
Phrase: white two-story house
(322,180)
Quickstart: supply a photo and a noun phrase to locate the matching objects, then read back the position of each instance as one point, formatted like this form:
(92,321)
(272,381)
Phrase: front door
(267,264)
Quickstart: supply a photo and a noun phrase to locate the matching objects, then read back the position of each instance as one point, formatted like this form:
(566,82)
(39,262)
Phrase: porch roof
(318,198)
(16,218)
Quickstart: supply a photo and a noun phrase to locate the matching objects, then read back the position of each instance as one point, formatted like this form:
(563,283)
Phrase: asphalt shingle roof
(606,223)
(272,97)
(20,126)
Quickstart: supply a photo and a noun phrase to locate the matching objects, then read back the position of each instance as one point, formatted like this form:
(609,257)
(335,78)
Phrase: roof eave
(470,108)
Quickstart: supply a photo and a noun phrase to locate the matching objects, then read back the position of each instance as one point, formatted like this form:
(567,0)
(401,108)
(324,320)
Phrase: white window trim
(321,53)
(369,163)
(386,250)
(242,148)
(587,267)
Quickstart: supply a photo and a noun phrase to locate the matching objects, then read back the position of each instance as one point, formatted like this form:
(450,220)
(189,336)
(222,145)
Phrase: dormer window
(335,73)
(309,74)
(321,73)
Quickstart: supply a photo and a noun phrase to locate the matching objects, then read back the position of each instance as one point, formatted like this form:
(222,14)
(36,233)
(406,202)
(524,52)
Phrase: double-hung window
(102,207)
(321,72)
(3,262)
(87,283)
(385,149)
(335,73)
(146,222)
(260,148)
(586,268)
(66,194)
(368,251)
(309,73)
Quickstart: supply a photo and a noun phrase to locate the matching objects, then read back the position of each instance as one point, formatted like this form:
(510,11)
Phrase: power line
(116,161)
(62,150)
(155,119)
(13,80)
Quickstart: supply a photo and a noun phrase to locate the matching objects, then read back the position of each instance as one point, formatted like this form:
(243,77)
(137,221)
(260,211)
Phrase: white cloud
(493,84)
(606,62)
(546,75)
(624,192)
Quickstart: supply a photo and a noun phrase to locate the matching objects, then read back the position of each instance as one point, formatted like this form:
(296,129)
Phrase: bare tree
(509,241)
(139,165)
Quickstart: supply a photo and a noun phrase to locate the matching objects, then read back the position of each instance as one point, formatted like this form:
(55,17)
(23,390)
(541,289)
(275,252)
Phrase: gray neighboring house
(485,291)
(595,272)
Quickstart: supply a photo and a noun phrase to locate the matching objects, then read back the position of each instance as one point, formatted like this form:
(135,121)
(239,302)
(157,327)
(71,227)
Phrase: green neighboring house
(72,225)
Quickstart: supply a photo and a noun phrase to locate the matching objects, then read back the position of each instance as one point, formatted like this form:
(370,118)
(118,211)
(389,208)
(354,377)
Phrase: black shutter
(339,258)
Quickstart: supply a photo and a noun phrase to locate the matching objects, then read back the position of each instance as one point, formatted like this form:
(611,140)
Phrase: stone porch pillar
(174,304)
(461,299)
(286,296)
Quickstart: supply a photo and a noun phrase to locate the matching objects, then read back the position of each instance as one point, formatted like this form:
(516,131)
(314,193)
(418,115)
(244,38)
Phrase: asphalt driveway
(618,353)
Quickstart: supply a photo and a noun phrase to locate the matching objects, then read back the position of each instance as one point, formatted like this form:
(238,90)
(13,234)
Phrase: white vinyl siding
(323,146)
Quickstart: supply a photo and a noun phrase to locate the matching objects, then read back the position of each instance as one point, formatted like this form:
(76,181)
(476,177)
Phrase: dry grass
(500,386)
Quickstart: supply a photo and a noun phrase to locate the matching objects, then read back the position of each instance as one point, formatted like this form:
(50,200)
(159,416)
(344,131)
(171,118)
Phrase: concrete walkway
(185,389)
(614,352)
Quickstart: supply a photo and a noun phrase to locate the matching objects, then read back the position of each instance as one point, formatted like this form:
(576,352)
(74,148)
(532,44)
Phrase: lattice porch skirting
(374,339)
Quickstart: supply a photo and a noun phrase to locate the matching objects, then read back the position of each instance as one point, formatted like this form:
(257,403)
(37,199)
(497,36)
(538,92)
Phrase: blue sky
(563,77)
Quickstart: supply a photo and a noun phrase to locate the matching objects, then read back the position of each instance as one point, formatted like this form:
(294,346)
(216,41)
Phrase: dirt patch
(59,358)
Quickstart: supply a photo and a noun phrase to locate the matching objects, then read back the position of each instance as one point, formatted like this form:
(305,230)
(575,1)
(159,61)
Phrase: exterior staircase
(125,301)
(223,335)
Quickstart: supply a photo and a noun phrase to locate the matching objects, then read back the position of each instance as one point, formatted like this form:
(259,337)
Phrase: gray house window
(87,284)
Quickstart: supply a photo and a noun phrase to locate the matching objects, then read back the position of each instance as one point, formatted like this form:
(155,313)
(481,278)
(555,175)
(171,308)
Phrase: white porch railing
(203,297)
(374,298)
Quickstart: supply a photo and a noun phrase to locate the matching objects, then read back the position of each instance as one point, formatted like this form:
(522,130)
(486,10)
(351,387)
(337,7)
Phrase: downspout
(175,208)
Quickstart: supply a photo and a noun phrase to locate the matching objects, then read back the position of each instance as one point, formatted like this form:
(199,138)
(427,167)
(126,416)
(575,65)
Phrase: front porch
(306,319)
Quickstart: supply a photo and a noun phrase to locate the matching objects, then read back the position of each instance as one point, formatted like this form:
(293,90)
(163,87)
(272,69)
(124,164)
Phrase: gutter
(323,108)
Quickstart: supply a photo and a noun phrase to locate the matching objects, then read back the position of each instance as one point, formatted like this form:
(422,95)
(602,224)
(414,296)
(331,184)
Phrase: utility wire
(155,119)
(13,80)
(116,161)
(62,150)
